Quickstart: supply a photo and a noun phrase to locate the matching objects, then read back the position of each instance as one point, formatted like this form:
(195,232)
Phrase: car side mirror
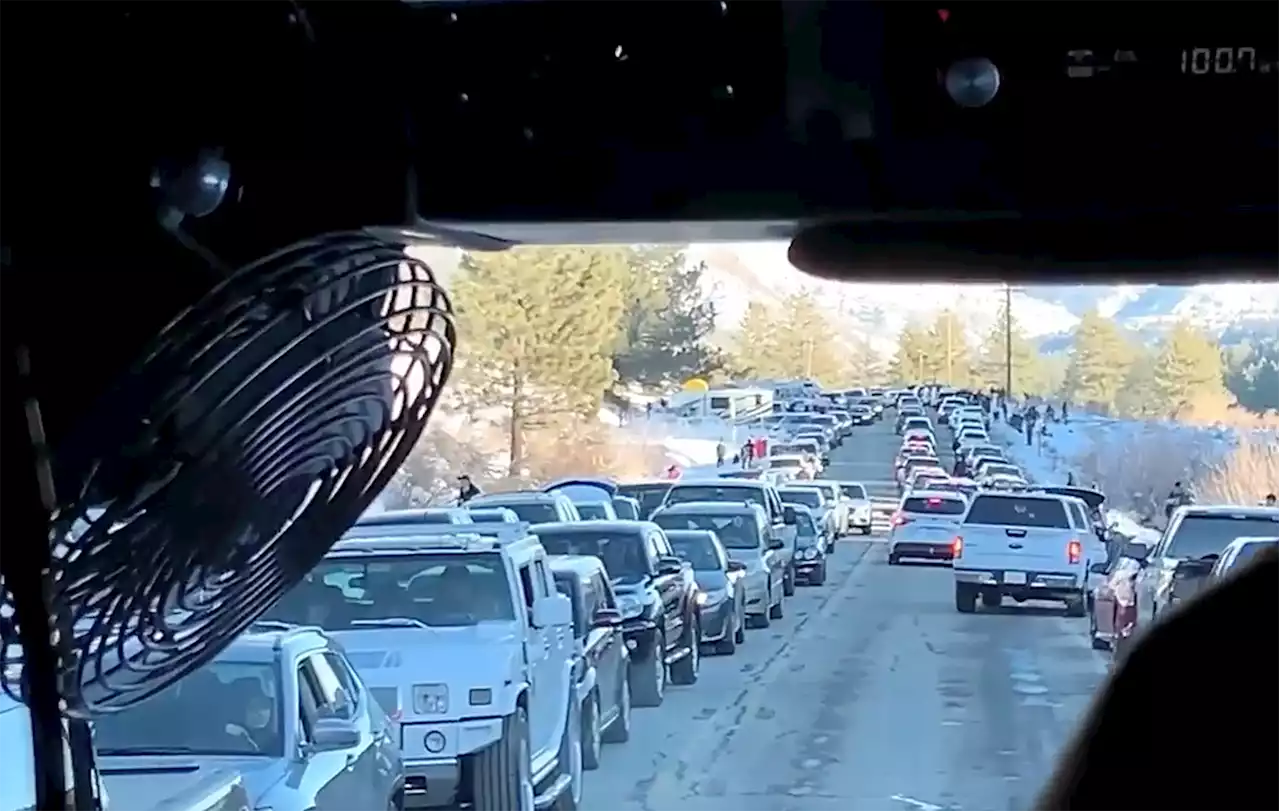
(607,618)
(670,565)
(736,566)
(776,543)
(1137,551)
(555,611)
(789,516)
(334,734)
(1098,568)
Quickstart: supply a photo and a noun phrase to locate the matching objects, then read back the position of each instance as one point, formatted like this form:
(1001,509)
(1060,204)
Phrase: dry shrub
(1137,471)
(1244,476)
(1221,409)
(590,448)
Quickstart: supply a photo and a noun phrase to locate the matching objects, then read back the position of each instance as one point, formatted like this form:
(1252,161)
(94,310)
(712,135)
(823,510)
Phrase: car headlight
(430,699)
(630,604)
(808,554)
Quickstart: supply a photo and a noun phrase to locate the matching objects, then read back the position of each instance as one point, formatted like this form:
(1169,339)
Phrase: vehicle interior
(237,353)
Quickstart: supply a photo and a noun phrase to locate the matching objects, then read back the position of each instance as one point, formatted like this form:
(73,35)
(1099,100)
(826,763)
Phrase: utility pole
(1008,340)
(808,359)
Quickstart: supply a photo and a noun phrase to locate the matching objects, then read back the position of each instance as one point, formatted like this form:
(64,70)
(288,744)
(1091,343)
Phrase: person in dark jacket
(1178,497)
(467,489)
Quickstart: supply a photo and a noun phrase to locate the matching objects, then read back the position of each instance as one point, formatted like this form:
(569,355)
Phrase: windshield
(650,495)
(533,512)
(1045,513)
(596,512)
(854,491)
(1002,470)
(734,531)
(806,530)
(933,505)
(696,548)
(697,492)
(1198,536)
(621,551)
(809,498)
(1249,552)
(439,590)
(225,708)
(784,463)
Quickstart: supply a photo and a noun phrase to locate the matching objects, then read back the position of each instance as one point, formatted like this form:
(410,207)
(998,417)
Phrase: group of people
(752,449)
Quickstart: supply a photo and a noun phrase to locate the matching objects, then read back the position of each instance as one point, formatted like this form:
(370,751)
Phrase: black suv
(597,630)
(656,594)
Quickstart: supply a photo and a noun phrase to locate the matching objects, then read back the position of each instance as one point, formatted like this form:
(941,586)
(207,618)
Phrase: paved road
(872,694)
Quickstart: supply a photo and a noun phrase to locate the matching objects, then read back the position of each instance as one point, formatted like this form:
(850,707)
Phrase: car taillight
(899,519)
(957,546)
(1073,551)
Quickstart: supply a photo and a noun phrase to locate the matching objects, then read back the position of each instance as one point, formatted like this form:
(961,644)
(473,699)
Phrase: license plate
(1015,578)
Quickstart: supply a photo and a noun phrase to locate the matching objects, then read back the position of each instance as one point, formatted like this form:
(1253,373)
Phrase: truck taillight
(957,546)
(1073,551)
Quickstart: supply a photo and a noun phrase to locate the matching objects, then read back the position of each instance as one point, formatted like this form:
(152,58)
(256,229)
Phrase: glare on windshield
(433,590)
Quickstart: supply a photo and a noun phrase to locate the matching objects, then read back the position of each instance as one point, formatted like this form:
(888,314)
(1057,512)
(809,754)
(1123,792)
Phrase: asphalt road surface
(873,693)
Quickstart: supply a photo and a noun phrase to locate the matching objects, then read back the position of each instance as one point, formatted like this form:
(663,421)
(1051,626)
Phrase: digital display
(1191,61)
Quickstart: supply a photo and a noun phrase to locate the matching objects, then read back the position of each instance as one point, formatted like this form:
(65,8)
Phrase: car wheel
(865,530)
(728,645)
(649,675)
(775,611)
(788,585)
(502,773)
(740,631)
(966,598)
(1076,606)
(894,560)
(619,730)
(570,760)
(991,599)
(591,742)
(685,671)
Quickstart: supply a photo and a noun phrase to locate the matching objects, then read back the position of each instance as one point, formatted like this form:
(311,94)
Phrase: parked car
(812,544)
(532,506)
(656,594)
(859,506)
(722,585)
(603,687)
(466,645)
(282,707)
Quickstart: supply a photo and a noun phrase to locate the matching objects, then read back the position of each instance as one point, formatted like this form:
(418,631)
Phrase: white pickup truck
(1028,546)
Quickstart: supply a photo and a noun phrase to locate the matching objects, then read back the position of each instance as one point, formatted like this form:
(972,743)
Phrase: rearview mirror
(333,734)
(736,566)
(789,516)
(607,618)
(670,565)
(776,543)
(1098,568)
(552,612)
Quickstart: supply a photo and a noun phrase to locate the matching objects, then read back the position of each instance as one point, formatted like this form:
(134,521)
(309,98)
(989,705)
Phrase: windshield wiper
(108,751)
(391,622)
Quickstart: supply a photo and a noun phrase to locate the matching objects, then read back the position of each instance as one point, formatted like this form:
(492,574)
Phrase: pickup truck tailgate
(1027,549)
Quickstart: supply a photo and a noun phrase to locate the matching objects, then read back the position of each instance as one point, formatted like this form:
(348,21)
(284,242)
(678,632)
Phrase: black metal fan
(257,427)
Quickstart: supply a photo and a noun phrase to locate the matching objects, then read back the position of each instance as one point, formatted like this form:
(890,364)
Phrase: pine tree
(1187,369)
(1138,396)
(1099,362)
(668,319)
(908,364)
(538,326)
(947,360)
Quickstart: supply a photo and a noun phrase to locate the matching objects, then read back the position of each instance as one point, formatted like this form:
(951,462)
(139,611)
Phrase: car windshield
(734,531)
(807,498)
(1199,536)
(697,548)
(439,590)
(685,494)
(933,505)
(533,512)
(226,708)
(784,463)
(806,530)
(621,551)
(649,494)
(1248,552)
(854,491)
(596,512)
(1002,470)
(1045,513)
